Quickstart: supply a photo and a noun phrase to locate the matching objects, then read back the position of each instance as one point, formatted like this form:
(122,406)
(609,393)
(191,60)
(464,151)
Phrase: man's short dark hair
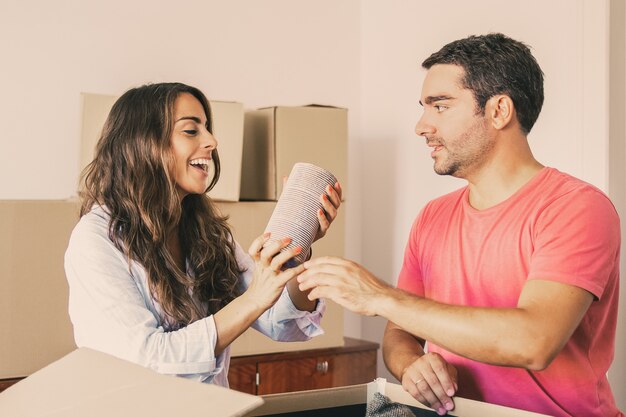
(496,64)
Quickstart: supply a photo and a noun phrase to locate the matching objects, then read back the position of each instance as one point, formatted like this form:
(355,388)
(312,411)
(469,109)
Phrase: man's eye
(440,108)
(190,131)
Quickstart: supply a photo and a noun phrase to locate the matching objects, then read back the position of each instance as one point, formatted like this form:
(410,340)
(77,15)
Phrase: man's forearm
(520,336)
(478,334)
(400,349)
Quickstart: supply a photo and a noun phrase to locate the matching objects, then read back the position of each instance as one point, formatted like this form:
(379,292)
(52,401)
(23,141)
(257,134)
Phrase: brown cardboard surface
(34,324)
(95,109)
(358,394)
(227,128)
(278,137)
(248,220)
(90,383)
(228,131)
(258,166)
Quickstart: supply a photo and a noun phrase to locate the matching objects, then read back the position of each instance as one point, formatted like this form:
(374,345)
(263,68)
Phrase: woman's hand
(331,200)
(269,279)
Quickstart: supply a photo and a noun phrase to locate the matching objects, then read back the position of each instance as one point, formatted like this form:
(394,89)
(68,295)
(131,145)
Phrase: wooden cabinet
(6,383)
(353,363)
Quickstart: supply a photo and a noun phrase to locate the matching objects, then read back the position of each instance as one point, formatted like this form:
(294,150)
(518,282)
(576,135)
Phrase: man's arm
(400,349)
(426,376)
(528,335)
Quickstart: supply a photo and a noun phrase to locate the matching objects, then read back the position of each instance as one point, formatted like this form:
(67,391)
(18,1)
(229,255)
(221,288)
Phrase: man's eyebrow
(432,99)
(194,118)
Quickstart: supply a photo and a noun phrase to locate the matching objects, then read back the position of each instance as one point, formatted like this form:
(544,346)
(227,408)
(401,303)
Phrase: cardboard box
(95,110)
(351,401)
(248,221)
(35,328)
(276,138)
(90,383)
(227,129)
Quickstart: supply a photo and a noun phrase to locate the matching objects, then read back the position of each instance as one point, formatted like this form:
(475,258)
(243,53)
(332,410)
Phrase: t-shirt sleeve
(577,240)
(410,278)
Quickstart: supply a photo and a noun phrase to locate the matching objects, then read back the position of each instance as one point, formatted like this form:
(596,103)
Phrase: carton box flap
(330,400)
(463,407)
(90,383)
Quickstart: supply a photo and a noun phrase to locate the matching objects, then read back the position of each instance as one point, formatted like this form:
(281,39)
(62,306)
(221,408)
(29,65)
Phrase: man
(513,279)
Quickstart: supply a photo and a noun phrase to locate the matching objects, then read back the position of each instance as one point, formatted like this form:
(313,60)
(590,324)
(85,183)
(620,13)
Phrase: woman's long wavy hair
(131,177)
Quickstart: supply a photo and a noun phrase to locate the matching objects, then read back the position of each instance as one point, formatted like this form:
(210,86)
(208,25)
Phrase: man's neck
(502,176)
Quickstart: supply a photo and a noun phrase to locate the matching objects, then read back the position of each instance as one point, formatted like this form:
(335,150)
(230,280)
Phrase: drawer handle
(322,367)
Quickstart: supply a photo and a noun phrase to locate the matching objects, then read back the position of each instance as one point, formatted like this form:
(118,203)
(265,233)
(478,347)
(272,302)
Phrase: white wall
(617,174)
(363,55)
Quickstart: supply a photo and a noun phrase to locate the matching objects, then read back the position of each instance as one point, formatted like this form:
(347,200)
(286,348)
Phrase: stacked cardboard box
(276,138)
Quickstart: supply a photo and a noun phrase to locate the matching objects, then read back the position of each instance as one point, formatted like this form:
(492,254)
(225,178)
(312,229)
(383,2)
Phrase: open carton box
(90,383)
(351,401)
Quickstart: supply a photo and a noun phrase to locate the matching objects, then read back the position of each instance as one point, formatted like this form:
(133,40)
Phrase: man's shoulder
(442,207)
(448,199)
(560,185)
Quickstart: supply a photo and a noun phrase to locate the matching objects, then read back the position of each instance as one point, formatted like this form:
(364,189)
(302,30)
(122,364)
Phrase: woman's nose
(209,141)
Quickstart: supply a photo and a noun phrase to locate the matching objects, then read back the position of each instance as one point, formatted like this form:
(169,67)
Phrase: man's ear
(501,110)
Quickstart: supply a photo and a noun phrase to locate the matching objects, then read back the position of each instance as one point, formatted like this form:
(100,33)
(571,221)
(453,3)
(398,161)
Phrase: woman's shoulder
(90,239)
(92,225)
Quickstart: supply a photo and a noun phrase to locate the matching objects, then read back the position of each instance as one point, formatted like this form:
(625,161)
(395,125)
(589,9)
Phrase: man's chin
(446,170)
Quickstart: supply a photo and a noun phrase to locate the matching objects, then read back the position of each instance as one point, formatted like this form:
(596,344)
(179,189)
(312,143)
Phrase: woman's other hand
(269,279)
(331,200)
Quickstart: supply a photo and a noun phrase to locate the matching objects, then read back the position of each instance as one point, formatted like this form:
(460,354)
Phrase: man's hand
(345,282)
(432,381)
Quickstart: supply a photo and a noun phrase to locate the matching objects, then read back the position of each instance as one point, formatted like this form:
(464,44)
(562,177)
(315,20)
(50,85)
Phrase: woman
(155,275)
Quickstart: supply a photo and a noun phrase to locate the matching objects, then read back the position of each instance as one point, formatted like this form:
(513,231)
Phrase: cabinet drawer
(352,364)
(295,374)
(242,377)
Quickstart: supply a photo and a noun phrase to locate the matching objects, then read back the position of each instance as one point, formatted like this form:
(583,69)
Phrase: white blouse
(112,310)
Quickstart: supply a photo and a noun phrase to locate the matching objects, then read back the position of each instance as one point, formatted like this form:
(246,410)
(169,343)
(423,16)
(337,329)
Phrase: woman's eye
(190,131)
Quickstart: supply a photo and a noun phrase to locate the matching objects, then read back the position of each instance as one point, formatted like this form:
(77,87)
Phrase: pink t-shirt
(555,228)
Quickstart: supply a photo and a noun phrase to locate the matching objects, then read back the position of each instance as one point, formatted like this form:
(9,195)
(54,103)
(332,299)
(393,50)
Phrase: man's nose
(424,127)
